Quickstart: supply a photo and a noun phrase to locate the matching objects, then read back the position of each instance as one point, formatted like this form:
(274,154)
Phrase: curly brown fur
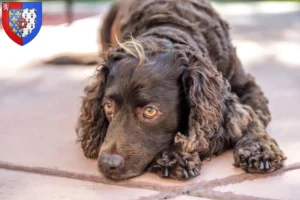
(92,123)
(182,63)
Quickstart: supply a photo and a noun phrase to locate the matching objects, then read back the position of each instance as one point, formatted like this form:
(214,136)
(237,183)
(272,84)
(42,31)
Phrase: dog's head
(140,98)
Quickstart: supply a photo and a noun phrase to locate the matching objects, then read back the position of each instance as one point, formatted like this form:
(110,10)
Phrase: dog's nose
(111,161)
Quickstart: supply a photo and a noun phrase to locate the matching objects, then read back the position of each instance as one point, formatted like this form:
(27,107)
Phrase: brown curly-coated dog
(172,96)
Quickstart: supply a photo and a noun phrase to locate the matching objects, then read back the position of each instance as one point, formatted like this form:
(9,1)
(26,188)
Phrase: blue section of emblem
(38,23)
(14,16)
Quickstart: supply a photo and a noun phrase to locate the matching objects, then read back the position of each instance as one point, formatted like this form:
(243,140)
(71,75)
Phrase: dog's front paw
(258,156)
(174,165)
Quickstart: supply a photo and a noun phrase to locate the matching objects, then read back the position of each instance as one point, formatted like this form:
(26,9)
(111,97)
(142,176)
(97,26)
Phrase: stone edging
(165,192)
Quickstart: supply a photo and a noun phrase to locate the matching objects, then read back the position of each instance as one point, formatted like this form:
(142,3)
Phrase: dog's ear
(92,123)
(203,86)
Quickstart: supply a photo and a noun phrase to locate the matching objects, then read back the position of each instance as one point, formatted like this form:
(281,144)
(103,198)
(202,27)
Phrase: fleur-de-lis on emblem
(14,19)
(18,13)
(5,6)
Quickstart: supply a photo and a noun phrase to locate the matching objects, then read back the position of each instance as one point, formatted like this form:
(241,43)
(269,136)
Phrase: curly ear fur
(205,88)
(92,123)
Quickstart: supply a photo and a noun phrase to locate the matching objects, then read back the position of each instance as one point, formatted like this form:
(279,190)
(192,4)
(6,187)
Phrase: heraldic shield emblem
(22,21)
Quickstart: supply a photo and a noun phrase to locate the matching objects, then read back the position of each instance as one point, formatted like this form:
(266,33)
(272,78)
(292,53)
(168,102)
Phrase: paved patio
(39,157)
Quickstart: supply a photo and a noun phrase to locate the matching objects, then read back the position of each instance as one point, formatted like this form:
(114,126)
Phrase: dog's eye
(108,108)
(150,112)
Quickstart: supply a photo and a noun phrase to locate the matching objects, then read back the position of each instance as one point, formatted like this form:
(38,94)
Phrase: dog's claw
(185,161)
(185,174)
(166,174)
(261,165)
(192,173)
(250,163)
(197,171)
(267,164)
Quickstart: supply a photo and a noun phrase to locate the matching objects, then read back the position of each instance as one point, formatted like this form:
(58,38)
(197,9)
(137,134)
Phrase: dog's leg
(255,151)
(249,91)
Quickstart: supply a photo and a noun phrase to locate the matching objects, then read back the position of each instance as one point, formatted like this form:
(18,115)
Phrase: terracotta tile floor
(39,158)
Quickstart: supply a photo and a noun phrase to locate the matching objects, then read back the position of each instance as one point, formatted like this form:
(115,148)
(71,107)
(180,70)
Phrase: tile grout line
(207,193)
(81,176)
(179,190)
(211,194)
(237,179)
(160,196)
(209,185)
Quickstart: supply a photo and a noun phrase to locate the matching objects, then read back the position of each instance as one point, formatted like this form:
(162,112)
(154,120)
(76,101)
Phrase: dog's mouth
(118,175)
